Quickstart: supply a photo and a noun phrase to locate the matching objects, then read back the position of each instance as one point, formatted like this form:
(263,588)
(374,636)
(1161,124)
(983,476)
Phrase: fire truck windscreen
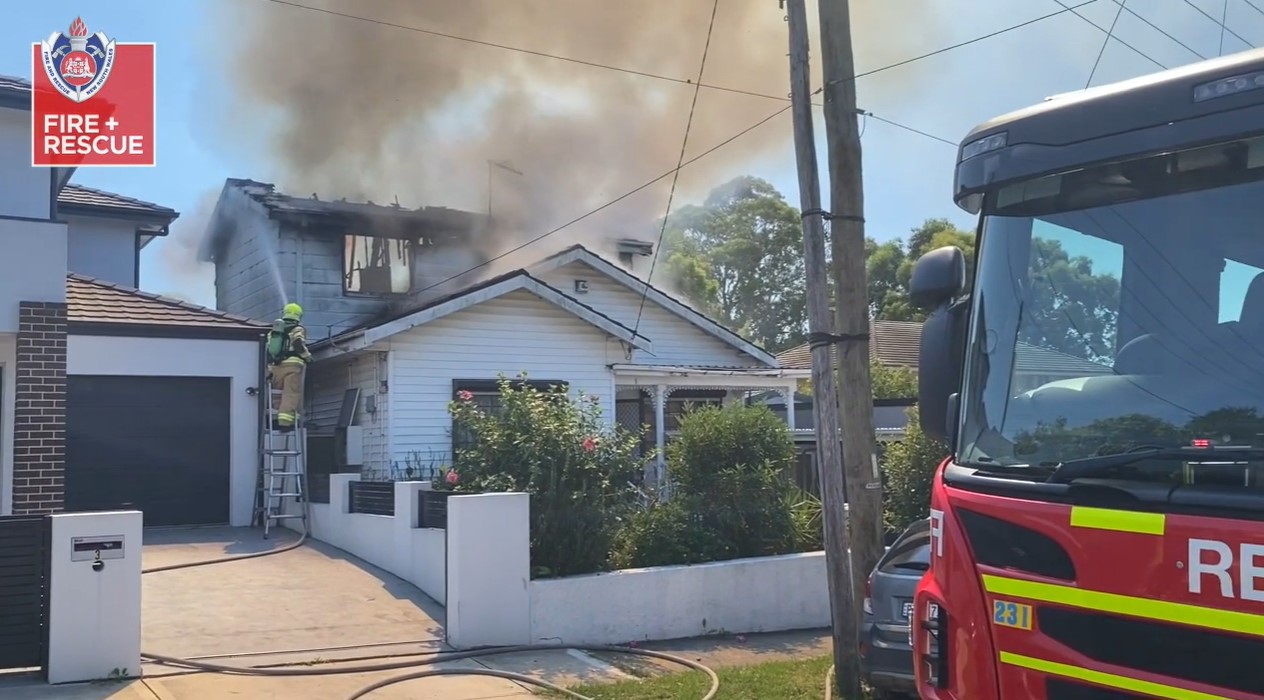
(1121,307)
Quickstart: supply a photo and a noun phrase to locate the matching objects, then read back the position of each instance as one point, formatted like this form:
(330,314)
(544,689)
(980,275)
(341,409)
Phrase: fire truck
(1097,532)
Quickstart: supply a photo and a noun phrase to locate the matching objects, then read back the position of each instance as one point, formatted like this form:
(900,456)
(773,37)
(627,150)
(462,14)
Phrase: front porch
(652,398)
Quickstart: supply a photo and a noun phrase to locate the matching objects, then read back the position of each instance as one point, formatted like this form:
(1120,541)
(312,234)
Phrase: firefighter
(287,361)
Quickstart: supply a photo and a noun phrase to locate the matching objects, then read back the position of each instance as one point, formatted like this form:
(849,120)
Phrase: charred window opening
(377,265)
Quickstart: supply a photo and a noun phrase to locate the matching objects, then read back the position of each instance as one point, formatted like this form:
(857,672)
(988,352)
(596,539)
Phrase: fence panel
(372,497)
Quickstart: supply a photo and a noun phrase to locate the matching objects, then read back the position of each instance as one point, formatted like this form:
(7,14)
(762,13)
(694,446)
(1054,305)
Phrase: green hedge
(730,494)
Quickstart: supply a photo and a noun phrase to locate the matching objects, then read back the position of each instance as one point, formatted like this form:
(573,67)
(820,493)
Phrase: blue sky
(908,177)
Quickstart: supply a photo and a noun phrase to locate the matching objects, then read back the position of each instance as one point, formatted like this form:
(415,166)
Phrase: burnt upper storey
(1194,105)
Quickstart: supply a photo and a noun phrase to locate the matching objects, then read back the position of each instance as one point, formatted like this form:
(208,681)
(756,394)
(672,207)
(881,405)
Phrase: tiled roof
(15,92)
(892,343)
(898,343)
(74,195)
(90,300)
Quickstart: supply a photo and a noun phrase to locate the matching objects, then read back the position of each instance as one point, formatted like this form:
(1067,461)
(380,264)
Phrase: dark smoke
(372,112)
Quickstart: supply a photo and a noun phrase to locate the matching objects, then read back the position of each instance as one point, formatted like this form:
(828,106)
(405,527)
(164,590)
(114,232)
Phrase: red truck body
(1089,603)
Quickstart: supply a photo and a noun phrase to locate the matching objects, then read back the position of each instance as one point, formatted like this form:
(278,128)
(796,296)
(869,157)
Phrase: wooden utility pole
(843,608)
(851,314)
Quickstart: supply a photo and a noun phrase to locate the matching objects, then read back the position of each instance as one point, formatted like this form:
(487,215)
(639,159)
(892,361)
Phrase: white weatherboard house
(111,397)
(394,345)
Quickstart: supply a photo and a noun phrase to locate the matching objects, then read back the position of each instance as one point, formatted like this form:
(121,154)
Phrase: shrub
(730,499)
(909,470)
(579,470)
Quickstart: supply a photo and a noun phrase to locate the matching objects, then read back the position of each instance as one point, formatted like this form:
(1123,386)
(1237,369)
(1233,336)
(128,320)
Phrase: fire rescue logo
(77,63)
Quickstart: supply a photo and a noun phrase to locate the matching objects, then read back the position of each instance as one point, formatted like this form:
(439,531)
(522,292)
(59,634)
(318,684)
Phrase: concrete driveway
(315,606)
(315,603)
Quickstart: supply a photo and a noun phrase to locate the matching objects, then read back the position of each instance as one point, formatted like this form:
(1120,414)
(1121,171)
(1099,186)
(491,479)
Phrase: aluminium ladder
(282,482)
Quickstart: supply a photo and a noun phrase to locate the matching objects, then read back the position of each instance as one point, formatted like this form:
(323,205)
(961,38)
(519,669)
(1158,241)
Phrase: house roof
(78,198)
(663,299)
(97,303)
(898,344)
(380,329)
(15,92)
(312,210)
(892,343)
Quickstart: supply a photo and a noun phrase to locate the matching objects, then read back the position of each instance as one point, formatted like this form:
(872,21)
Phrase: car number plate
(908,609)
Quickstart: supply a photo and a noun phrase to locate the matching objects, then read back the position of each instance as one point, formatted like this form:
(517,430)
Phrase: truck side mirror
(938,279)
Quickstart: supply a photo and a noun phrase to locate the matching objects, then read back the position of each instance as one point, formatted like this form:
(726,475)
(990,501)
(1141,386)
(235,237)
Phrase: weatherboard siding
(676,341)
(514,333)
(327,382)
(318,285)
(245,279)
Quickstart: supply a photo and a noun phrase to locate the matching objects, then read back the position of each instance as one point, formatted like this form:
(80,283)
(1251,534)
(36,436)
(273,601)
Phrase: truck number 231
(1010,614)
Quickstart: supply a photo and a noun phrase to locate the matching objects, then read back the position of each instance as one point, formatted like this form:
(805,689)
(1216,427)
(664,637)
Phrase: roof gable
(93,302)
(494,288)
(579,253)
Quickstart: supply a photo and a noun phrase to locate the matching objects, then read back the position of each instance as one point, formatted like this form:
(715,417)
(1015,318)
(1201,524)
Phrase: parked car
(886,656)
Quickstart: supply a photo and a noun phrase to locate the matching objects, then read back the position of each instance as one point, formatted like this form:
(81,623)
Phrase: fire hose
(428,659)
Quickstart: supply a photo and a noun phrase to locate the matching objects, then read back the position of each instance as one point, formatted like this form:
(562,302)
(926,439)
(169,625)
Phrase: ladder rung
(282,453)
(286,473)
(284,516)
(286,494)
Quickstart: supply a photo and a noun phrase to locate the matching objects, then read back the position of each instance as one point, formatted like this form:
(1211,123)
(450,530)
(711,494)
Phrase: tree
(1071,309)
(739,257)
(888,382)
(893,382)
(890,267)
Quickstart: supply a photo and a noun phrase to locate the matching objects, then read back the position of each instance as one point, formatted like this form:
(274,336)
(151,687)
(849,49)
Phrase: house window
(684,400)
(486,396)
(376,265)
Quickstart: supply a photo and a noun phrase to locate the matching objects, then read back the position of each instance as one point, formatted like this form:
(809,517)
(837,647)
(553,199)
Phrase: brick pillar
(39,418)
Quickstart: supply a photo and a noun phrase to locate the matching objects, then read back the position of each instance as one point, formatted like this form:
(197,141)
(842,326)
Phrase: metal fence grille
(372,497)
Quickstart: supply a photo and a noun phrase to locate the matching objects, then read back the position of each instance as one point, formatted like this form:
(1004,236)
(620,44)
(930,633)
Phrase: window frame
(491,387)
(345,274)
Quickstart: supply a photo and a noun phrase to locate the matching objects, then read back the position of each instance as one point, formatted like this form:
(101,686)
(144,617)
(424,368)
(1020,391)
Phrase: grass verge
(776,680)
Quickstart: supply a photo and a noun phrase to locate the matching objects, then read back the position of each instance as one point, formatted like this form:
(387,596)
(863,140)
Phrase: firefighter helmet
(292,311)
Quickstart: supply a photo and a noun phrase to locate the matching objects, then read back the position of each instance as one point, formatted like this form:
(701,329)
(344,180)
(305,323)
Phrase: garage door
(158,444)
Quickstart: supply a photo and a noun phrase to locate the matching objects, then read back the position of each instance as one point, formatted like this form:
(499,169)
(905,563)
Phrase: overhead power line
(698,84)
(657,76)
(1093,24)
(684,143)
(1156,28)
(1105,42)
(1219,23)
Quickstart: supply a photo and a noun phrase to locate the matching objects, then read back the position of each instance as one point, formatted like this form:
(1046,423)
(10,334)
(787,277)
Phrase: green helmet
(292,311)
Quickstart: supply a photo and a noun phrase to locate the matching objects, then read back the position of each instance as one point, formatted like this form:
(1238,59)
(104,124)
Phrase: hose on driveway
(443,657)
(430,660)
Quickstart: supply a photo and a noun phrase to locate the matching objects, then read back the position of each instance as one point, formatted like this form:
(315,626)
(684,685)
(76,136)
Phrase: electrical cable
(1105,42)
(656,76)
(1136,50)
(1253,6)
(684,143)
(1217,22)
(1159,29)
(1224,21)
(722,144)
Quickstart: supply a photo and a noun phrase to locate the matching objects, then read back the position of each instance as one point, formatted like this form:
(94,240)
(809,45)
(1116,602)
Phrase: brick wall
(39,423)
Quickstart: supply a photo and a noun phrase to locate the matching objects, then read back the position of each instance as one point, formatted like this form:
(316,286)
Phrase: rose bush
(580,470)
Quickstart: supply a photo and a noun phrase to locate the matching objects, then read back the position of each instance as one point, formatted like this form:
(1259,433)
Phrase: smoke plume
(368,111)
(178,252)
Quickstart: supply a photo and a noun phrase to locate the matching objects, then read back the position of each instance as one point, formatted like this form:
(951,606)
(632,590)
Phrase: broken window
(376,265)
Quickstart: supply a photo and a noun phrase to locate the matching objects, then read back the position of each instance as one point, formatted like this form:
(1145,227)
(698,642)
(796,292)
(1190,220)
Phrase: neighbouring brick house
(111,397)
(39,416)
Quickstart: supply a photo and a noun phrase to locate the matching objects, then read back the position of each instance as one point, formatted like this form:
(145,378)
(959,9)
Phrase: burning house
(404,313)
